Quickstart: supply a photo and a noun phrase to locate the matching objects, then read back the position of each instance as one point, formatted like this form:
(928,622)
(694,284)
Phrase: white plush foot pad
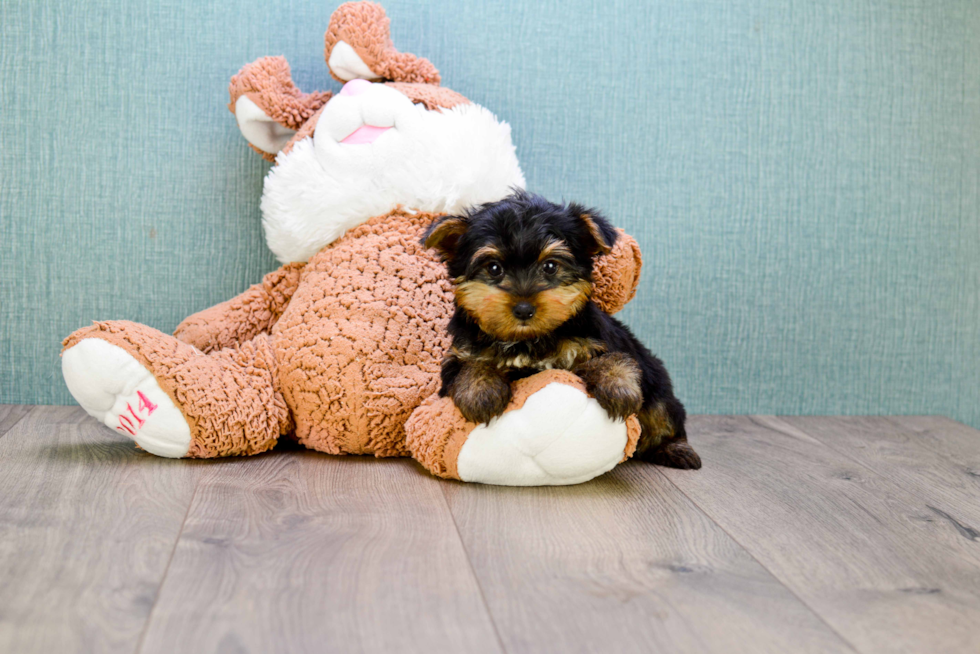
(560,436)
(115,389)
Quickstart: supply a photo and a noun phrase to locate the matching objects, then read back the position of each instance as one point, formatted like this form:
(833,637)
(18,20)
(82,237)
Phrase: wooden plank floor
(799,535)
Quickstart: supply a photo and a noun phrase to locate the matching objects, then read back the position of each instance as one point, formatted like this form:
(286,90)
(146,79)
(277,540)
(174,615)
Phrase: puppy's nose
(523,310)
(355,87)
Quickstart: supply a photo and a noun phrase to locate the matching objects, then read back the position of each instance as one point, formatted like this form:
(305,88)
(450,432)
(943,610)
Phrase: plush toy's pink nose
(355,87)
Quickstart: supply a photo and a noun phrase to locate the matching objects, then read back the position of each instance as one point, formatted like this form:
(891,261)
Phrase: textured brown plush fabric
(617,274)
(365,27)
(341,350)
(243,317)
(231,399)
(360,344)
(437,431)
(269,84)
(432,97)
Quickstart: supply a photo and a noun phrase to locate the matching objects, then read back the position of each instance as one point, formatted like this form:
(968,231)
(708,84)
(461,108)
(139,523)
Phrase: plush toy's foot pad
(115,389)
(552,434)
(560,436)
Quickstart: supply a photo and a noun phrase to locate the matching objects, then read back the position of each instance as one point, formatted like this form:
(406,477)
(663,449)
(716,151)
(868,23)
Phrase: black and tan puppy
(523,274)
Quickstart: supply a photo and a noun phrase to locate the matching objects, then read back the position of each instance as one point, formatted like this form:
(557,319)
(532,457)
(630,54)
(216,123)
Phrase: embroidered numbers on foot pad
(118,391)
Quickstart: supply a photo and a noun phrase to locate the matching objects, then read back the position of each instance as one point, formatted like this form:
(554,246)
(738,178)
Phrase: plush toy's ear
(616,275)
(443,235)
(601,235)
(268,106)
(358,45)
(259,129)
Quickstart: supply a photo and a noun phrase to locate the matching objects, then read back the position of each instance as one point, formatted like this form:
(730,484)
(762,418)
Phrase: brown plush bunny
(341,347)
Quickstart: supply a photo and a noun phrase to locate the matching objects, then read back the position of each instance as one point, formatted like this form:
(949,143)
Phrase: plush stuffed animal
(340,348)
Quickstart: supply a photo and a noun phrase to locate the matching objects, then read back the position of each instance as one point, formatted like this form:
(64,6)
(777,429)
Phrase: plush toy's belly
(360,345)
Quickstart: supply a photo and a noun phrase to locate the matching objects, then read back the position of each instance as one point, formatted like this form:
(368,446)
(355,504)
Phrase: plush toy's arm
(616,274)
(268,106)
(243,317)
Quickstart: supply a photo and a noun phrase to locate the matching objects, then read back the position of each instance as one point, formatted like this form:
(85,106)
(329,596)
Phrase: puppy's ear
(601,235)
(443,235)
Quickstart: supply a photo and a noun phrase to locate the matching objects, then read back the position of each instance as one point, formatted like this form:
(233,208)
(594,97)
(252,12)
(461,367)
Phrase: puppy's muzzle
(523,310)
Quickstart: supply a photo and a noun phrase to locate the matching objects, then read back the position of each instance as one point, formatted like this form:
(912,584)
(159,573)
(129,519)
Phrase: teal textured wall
(803,177)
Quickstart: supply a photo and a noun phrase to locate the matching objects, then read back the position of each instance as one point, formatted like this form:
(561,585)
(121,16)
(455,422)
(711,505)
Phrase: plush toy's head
(391,137)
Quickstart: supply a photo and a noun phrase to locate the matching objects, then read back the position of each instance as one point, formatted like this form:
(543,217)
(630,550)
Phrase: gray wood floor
(799,535)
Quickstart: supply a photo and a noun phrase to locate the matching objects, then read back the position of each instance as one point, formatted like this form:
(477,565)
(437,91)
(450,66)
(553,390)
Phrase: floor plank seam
(955,522)
(830,447)
(166,570)
(822,442)
(16,422)
(946,456)
(469,563)
(819,617)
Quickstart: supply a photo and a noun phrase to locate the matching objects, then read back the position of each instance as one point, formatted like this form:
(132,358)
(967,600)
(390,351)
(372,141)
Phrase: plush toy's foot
(551,434)
(171,398)
(115,389)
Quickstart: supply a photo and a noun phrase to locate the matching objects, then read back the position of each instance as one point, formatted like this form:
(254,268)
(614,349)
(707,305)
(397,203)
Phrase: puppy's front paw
(620,399)
(481,397)
(614,381)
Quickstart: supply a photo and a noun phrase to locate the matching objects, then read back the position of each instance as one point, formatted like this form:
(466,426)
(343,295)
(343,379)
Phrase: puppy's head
(522,266)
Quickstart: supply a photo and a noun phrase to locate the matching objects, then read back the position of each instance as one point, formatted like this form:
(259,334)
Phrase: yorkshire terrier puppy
(522,270)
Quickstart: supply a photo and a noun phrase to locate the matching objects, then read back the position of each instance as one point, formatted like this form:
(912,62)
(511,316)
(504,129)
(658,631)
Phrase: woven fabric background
(803,177)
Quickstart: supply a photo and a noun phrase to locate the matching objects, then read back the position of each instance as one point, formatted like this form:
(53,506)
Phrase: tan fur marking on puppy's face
(554,248)
(492,308)
(556,305)
(488,252)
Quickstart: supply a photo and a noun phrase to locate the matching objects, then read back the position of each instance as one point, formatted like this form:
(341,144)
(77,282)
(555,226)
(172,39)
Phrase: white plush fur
(104,379)
(560,436)
(440,162)
(430,161)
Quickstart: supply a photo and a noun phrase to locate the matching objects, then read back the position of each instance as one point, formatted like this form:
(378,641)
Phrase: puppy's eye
(550,267)
(495,270)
